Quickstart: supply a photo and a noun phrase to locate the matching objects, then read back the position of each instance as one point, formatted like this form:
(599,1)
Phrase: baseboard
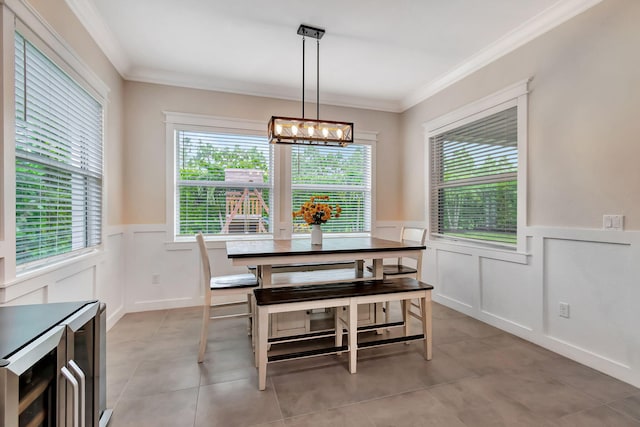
(588,358)
(163,304)
(113,318)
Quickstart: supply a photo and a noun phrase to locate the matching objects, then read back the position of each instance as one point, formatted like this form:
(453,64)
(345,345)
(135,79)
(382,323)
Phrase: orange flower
(317,213)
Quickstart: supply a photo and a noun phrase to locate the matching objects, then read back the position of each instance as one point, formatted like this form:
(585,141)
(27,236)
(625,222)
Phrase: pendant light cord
(303,76)
(318,80)
(317,77)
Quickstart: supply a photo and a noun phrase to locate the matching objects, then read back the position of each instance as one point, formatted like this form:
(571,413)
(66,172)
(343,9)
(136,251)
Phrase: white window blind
(224,183)
(58,147)
(474,180)
(343,174)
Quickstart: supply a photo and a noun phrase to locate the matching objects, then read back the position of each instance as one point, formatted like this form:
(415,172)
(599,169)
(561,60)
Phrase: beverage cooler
(52,365)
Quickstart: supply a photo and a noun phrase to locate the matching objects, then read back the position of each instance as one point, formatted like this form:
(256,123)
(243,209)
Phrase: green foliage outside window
(202,192)
(340,173)
(43,211)
(484,211)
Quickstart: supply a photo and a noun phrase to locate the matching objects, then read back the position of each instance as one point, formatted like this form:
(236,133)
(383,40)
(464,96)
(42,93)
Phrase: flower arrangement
(313,212)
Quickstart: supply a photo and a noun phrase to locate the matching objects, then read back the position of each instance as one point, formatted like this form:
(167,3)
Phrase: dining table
(267,253)
(296,262)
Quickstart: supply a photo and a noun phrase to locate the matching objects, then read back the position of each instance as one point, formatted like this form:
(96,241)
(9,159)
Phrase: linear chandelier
(305,131)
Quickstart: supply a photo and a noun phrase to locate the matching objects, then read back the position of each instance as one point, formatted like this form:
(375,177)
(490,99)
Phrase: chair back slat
(413,234)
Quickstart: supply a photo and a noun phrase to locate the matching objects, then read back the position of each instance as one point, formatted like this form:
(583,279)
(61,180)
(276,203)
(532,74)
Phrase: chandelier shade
(305,131)
(290,130)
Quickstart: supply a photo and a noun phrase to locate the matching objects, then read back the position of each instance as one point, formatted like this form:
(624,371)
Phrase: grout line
(623,413)
(275,392)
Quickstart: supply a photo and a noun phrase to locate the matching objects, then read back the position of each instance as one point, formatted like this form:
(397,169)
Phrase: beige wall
(58,15)
(583,119)
(144,152)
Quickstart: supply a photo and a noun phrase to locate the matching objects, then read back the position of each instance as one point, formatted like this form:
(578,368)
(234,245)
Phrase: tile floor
(479,376)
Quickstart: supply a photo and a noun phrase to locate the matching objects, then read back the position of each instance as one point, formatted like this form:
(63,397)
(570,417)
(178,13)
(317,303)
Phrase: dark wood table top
(330,245)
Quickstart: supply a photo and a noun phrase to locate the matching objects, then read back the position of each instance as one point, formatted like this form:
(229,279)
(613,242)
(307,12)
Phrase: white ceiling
(379,54)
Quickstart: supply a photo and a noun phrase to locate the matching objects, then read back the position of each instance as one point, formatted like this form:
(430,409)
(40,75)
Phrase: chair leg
(387,307)
(254,323)
(250,316)
(426,326)
(204,331)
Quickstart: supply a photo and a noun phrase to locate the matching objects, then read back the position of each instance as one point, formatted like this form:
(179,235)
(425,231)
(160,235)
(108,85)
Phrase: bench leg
(353,336)
(263,336)
(425,305)
(406,318)
(406,306)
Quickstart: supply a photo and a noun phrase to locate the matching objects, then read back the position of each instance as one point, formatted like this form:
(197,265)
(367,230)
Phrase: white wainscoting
(165,274)
(591,270)
(99,275)
(596,272)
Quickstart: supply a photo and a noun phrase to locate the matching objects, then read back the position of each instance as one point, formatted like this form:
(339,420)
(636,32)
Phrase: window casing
(477,160)
(58,159)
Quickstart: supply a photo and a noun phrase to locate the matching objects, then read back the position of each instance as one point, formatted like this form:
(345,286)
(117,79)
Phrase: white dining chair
(401,268)
(221,286)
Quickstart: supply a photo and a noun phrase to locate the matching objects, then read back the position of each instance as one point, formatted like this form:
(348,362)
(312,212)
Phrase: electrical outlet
(564,309)
(155,279)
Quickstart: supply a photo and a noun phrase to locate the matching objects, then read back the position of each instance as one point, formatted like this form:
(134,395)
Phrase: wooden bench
(348,295)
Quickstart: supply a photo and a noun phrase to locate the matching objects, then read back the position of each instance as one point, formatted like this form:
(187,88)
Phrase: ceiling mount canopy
(305,131)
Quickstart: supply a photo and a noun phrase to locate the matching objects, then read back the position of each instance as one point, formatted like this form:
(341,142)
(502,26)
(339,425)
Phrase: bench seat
(288,294)
(346,295)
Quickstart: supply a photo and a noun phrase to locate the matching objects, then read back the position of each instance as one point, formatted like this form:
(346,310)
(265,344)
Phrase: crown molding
(101,34)
(534,27)
(239,88)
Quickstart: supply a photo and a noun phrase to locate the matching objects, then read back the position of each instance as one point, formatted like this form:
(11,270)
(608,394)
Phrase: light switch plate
(613,222)
(564,310)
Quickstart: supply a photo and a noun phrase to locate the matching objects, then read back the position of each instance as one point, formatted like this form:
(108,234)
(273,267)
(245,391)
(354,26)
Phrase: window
(224,183)
(58,149)
(226,180)
(343,174)
(474,171)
